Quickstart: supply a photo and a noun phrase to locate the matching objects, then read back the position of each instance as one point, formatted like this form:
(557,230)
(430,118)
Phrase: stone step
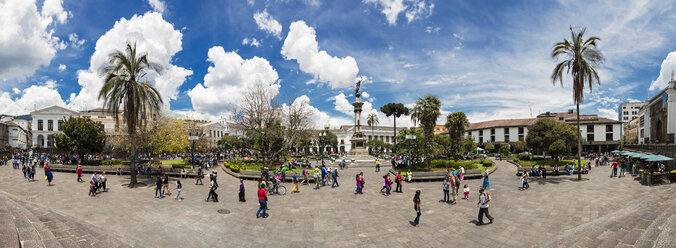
(39,227)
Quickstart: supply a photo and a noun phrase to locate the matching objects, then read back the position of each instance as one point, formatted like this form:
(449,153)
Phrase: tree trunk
(132,164)
(395,135)
(579,145)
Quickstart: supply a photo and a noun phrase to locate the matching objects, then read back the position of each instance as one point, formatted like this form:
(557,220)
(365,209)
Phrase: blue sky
(489,59)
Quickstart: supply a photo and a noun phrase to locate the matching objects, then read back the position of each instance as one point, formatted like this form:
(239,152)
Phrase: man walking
(484,198)
(398,180)
(335,179)
(79,174)
(377,165)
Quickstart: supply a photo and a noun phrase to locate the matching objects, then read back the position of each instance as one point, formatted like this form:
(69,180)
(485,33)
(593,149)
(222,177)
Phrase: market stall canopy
(657,158)
(615,151)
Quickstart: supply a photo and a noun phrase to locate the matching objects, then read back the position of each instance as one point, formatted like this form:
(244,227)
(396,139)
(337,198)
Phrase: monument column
(358,139)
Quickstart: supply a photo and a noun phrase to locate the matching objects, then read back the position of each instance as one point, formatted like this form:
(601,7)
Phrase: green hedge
(110,162)
(440,163)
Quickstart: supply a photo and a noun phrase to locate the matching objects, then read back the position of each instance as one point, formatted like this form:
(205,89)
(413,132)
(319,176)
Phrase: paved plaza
(600,212)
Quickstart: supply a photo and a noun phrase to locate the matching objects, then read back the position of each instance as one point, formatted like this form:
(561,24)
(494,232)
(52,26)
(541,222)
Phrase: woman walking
(417,207)
(462,173)
(178,189)
(263,201)
(486,182)
(49,176)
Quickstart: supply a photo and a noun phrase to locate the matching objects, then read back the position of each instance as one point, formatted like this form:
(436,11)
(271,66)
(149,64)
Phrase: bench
(548,170)
(428,176)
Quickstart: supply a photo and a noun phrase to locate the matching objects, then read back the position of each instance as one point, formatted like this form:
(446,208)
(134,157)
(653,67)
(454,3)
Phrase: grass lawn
(550,162)
(174,162)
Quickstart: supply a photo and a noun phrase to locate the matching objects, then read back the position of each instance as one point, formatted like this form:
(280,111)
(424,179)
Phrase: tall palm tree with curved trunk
(581,58)
(396,110)
(427,112)
(124,87)
(372,120)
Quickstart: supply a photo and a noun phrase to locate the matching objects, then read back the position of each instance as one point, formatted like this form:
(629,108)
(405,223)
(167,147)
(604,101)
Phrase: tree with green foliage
(489,147)
(519,146)
(547,130)
(581,58)
(557,148)
(331,139)
(81,135)
(228,142)
(396,110)
(428,111)
(456,124)
(416,145)
(124,86)
(504,150)
(441,145)
(469,144)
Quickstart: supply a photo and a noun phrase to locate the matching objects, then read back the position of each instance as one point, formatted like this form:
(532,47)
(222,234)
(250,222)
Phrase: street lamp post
(193,138)
(409,137)
(322,135)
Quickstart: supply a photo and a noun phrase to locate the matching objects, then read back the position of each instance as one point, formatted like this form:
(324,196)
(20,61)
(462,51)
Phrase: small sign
(193,138)
(409,136)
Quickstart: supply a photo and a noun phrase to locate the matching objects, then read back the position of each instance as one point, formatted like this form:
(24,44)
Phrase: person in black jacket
(158,187)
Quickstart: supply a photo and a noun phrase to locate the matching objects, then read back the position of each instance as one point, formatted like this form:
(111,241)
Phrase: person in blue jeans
(158,187)
(263,201)
(335,179)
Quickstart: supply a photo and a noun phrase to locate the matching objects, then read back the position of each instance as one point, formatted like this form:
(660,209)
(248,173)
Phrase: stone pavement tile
(631,237)
(588,242)
(31,244)
(28,233)
(608,243)
(643,244)
(52,243)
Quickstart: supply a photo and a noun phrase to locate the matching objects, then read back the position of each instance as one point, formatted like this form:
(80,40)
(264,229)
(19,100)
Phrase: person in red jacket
(263,200)
(79,174)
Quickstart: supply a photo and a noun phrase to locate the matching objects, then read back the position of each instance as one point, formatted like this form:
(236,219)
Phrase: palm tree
(427,112)
(372,120)
(456,124)
(396,110)
(123,87)
(580,59)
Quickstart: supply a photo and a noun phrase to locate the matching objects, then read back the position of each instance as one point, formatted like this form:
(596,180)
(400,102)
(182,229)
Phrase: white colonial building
(599,134)
(18,132)
(657,119)
(46,122)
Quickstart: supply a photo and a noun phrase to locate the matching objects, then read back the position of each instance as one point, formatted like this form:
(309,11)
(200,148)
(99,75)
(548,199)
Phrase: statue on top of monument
(356,92)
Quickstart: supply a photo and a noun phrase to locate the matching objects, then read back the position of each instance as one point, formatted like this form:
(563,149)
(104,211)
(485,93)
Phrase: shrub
(486,162)
(524,157)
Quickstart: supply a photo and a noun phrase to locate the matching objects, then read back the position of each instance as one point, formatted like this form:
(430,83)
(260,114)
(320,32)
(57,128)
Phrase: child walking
(241,190)
(466,191)
(92,192)
(178,189)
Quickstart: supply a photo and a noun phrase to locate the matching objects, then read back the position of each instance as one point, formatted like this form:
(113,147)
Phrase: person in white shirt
(484,198)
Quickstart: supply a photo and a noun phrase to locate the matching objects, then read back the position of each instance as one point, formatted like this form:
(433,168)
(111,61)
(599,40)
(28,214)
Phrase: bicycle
(276,188)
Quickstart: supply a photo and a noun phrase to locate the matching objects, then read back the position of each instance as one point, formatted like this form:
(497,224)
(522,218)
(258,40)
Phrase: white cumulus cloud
(26,36)
(228,78)
(157,5)
(75,41)
(668,65)
(301,45)
(267,23)
(319,118)
(35,96)
(62,67)
(152,35)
